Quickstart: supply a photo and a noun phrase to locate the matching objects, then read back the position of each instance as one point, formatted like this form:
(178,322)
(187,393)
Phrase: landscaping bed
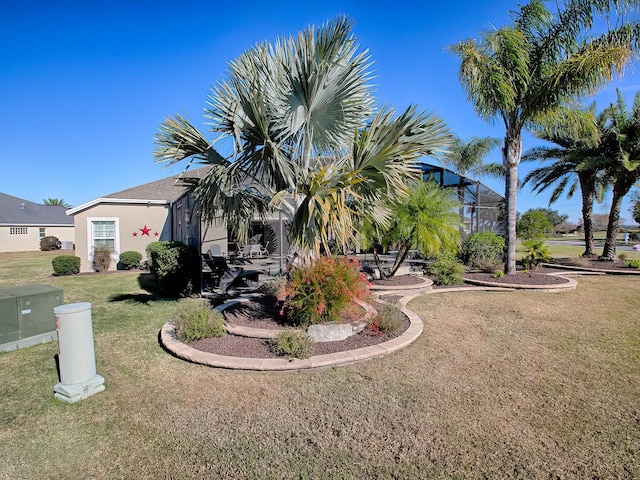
(258,313)
(520,278)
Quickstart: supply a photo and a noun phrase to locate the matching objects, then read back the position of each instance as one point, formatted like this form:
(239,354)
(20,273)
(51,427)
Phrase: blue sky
(84,85)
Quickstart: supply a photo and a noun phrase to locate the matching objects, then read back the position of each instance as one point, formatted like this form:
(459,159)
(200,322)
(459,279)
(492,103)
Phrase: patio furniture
(226,277)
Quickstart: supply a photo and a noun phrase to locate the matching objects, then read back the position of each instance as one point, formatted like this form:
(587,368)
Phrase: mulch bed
(520,278)
(258,314)
(401,280)
(594,263)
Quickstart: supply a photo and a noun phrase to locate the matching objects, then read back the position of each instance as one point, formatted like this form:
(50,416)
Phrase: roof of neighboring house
(163,191)
(17,211)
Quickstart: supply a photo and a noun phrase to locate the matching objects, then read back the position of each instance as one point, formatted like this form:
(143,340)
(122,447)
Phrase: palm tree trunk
(400,257)
(511,154)
(376,258)
(620,189)
(588,195)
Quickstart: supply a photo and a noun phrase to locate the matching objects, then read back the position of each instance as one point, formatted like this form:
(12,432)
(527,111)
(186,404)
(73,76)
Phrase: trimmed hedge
(175,267)
(482,250)
(65,265)
(130,259)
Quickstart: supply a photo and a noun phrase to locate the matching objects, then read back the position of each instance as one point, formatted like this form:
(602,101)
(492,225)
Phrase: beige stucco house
(133,218)
(23,224)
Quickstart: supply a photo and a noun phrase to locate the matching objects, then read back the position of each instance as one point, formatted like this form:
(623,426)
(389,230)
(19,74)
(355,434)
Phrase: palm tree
(306,139)
(55,202)
(425,220)
(578,164)
(521,73)
(621,145)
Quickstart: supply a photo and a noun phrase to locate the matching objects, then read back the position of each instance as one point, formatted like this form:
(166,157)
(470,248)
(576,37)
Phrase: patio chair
(227,276)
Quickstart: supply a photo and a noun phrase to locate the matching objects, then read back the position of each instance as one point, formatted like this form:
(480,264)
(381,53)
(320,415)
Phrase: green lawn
(499,385)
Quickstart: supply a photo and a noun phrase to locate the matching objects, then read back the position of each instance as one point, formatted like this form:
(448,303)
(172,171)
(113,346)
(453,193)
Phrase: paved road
(580,243)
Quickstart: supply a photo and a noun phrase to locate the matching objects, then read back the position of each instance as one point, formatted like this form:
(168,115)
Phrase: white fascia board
(112,201)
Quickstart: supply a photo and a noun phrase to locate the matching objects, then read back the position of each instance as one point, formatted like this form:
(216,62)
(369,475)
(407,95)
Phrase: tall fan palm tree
(621,146)
(306,139)
(578,164)
(521,73)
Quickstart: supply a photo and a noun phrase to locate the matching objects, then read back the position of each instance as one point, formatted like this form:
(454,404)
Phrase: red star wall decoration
(157,234)
(135,234)
(145,231)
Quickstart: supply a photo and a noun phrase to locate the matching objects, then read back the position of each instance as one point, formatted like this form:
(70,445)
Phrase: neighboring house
(23,224)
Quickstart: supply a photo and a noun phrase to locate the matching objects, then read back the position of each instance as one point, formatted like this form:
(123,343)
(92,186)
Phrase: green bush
(320,293)
(388,320)
(174,266)
(633,263)
(130,259)
(50,243)
(634,236)
(292,344)
(536,252)
(65,265)
(447,270)
(276,289)
(483,250)
(195,321)
(533,225)
(101,258)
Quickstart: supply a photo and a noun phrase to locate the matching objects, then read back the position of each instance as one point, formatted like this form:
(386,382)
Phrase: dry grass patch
(500,385)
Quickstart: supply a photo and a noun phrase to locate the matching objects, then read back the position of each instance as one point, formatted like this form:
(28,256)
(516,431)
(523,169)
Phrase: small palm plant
(536,252)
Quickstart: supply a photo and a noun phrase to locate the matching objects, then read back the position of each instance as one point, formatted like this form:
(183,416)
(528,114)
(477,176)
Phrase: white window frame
(42,232)
(116,242)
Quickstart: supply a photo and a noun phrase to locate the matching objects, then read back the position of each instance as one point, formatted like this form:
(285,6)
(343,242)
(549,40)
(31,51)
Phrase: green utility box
(26,315)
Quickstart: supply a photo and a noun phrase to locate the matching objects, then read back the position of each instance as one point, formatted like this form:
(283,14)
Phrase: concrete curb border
(570,285)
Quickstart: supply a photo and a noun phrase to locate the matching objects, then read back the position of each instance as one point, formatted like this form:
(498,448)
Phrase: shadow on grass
(147,282)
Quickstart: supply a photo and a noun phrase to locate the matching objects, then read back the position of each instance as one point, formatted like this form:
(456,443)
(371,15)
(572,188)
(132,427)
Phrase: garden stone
(333,332)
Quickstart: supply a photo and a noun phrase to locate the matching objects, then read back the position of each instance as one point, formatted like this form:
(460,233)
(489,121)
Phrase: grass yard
(499,385)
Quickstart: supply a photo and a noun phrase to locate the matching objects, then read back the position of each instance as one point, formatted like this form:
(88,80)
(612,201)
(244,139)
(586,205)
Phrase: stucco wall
(31,241)
(131,233)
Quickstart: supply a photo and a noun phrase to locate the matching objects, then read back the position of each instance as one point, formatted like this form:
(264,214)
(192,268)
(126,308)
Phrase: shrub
(536,252)
(483,250)
(276,289)
(447,270)
(173,265)
(50,243)
(319,293)
(388,320)
(101,258)
(195,321)
(130,259)
(633,263)
(634,236)
(65,265)
(292,344)
(533,225)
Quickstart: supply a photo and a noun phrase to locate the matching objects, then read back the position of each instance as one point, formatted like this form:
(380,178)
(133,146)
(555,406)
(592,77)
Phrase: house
(23,224)
(165,210)
(131,219)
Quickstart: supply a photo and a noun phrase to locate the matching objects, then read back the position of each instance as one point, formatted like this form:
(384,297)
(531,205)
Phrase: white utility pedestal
(76,354)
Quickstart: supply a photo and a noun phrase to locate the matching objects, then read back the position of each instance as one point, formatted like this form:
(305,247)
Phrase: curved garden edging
(593,270)
(570,284)
(181,350)
(422,286)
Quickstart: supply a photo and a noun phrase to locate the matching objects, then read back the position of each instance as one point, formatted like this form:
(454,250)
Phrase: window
(17,230)
(42,233)
(103,233)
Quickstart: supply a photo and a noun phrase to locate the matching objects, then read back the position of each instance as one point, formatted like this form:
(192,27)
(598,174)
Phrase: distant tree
(635,209)
(534,225)
(565,227)
(600,221)
(59,202)
(554,217)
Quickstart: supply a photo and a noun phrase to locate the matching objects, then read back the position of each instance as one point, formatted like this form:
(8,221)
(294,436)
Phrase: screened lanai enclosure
(481,206)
